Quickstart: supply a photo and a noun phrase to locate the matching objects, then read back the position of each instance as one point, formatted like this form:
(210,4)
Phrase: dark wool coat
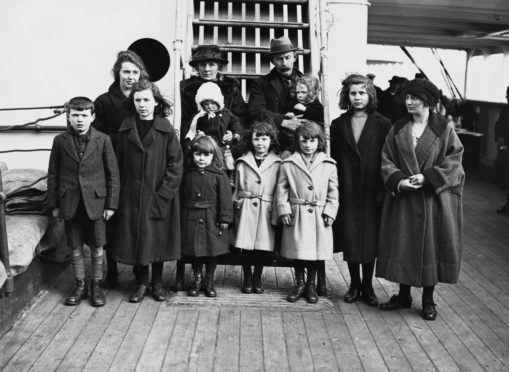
(269,100)
(217,126)
(206,199)
(147,227)
(502,163)
(110,112)
(421,231)
(94,176)
(230,89)
(361,190)
(314,112)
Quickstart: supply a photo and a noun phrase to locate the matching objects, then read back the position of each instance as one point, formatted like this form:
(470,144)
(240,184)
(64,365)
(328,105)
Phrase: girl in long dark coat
(150,162)
(421,229)
(357,138)
(207,212)
(110,112)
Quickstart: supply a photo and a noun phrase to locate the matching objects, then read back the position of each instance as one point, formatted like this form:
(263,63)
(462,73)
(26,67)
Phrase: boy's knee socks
(78,263)
(97,262)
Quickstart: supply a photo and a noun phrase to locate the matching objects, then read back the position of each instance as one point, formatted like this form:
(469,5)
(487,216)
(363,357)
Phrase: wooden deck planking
(155,348)
(179,347)
(264,332)
(15,338)
(203,349)
(228,341)
(251,341)
(297,343)
(274,345)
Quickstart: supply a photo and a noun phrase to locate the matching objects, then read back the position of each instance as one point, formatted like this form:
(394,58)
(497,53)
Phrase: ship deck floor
(238,331)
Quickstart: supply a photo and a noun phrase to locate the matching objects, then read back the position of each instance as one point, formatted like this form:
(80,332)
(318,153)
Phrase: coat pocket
(100,192)
(159,208)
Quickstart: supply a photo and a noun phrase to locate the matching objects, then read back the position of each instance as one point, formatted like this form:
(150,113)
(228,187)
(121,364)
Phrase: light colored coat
(421,231)
(298,189)
(253,201)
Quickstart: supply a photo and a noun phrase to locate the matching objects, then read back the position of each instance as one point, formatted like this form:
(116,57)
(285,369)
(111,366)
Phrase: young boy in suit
(83,189)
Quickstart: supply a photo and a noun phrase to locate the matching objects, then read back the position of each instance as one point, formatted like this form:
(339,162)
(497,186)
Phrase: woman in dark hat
(208,61)
(421,229)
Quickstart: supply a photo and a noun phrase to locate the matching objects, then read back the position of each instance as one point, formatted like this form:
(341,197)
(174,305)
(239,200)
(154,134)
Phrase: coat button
(310,187)
(310,210)
(198,195)
(220,233)
(255,204)
(202,172)
(200,220)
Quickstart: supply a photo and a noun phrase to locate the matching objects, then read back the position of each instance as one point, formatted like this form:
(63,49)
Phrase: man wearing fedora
(271,95)
(208,61)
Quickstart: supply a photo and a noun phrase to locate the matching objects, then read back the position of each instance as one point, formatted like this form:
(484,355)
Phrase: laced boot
(257,279)
(300,288)
(80,292)
(311,294)
(247,284)
(195,288)
(210,290)
(97,294)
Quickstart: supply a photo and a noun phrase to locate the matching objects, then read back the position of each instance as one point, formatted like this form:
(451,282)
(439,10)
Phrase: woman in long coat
(357,138)
(255,216)
(421,230)
(307,204)
(147,229)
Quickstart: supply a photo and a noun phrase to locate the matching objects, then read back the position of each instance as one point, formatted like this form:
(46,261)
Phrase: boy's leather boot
(210,290)
(300,288)
(79,293)
(97,294)
(311,294)
(195,288)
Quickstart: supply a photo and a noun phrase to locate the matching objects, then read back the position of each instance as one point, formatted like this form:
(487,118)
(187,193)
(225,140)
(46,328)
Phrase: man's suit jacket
(268,100)
(94,177)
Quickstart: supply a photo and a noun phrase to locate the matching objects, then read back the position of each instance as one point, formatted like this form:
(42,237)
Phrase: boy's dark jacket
(95,177)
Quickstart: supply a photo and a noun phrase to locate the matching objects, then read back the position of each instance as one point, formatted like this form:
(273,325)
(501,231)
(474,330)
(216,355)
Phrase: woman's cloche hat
(281,45)
(204,53)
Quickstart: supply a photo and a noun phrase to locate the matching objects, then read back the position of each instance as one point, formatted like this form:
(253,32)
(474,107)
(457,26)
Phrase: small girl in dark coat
(306,91)
(215,120)
(357,138)
(207,212)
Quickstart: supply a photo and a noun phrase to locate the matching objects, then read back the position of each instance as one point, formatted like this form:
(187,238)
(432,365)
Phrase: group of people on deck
(256,177)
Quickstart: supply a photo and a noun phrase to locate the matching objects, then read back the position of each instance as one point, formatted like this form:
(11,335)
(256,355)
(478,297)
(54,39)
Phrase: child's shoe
(210,290)
(79,293)
(195,288)
(257,280)
(97,295)
(247,283)
(158,292)
(139,293)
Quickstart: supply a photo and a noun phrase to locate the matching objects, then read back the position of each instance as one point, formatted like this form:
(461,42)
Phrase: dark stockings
(142,273)
(367,274)
(427,294)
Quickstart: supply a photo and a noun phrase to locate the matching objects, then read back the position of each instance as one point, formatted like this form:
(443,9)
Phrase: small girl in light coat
(307,204)
(255,218)
(207,212)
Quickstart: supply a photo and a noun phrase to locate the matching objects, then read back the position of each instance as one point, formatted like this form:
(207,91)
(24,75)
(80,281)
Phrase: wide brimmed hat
(281,45)
(204,53)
